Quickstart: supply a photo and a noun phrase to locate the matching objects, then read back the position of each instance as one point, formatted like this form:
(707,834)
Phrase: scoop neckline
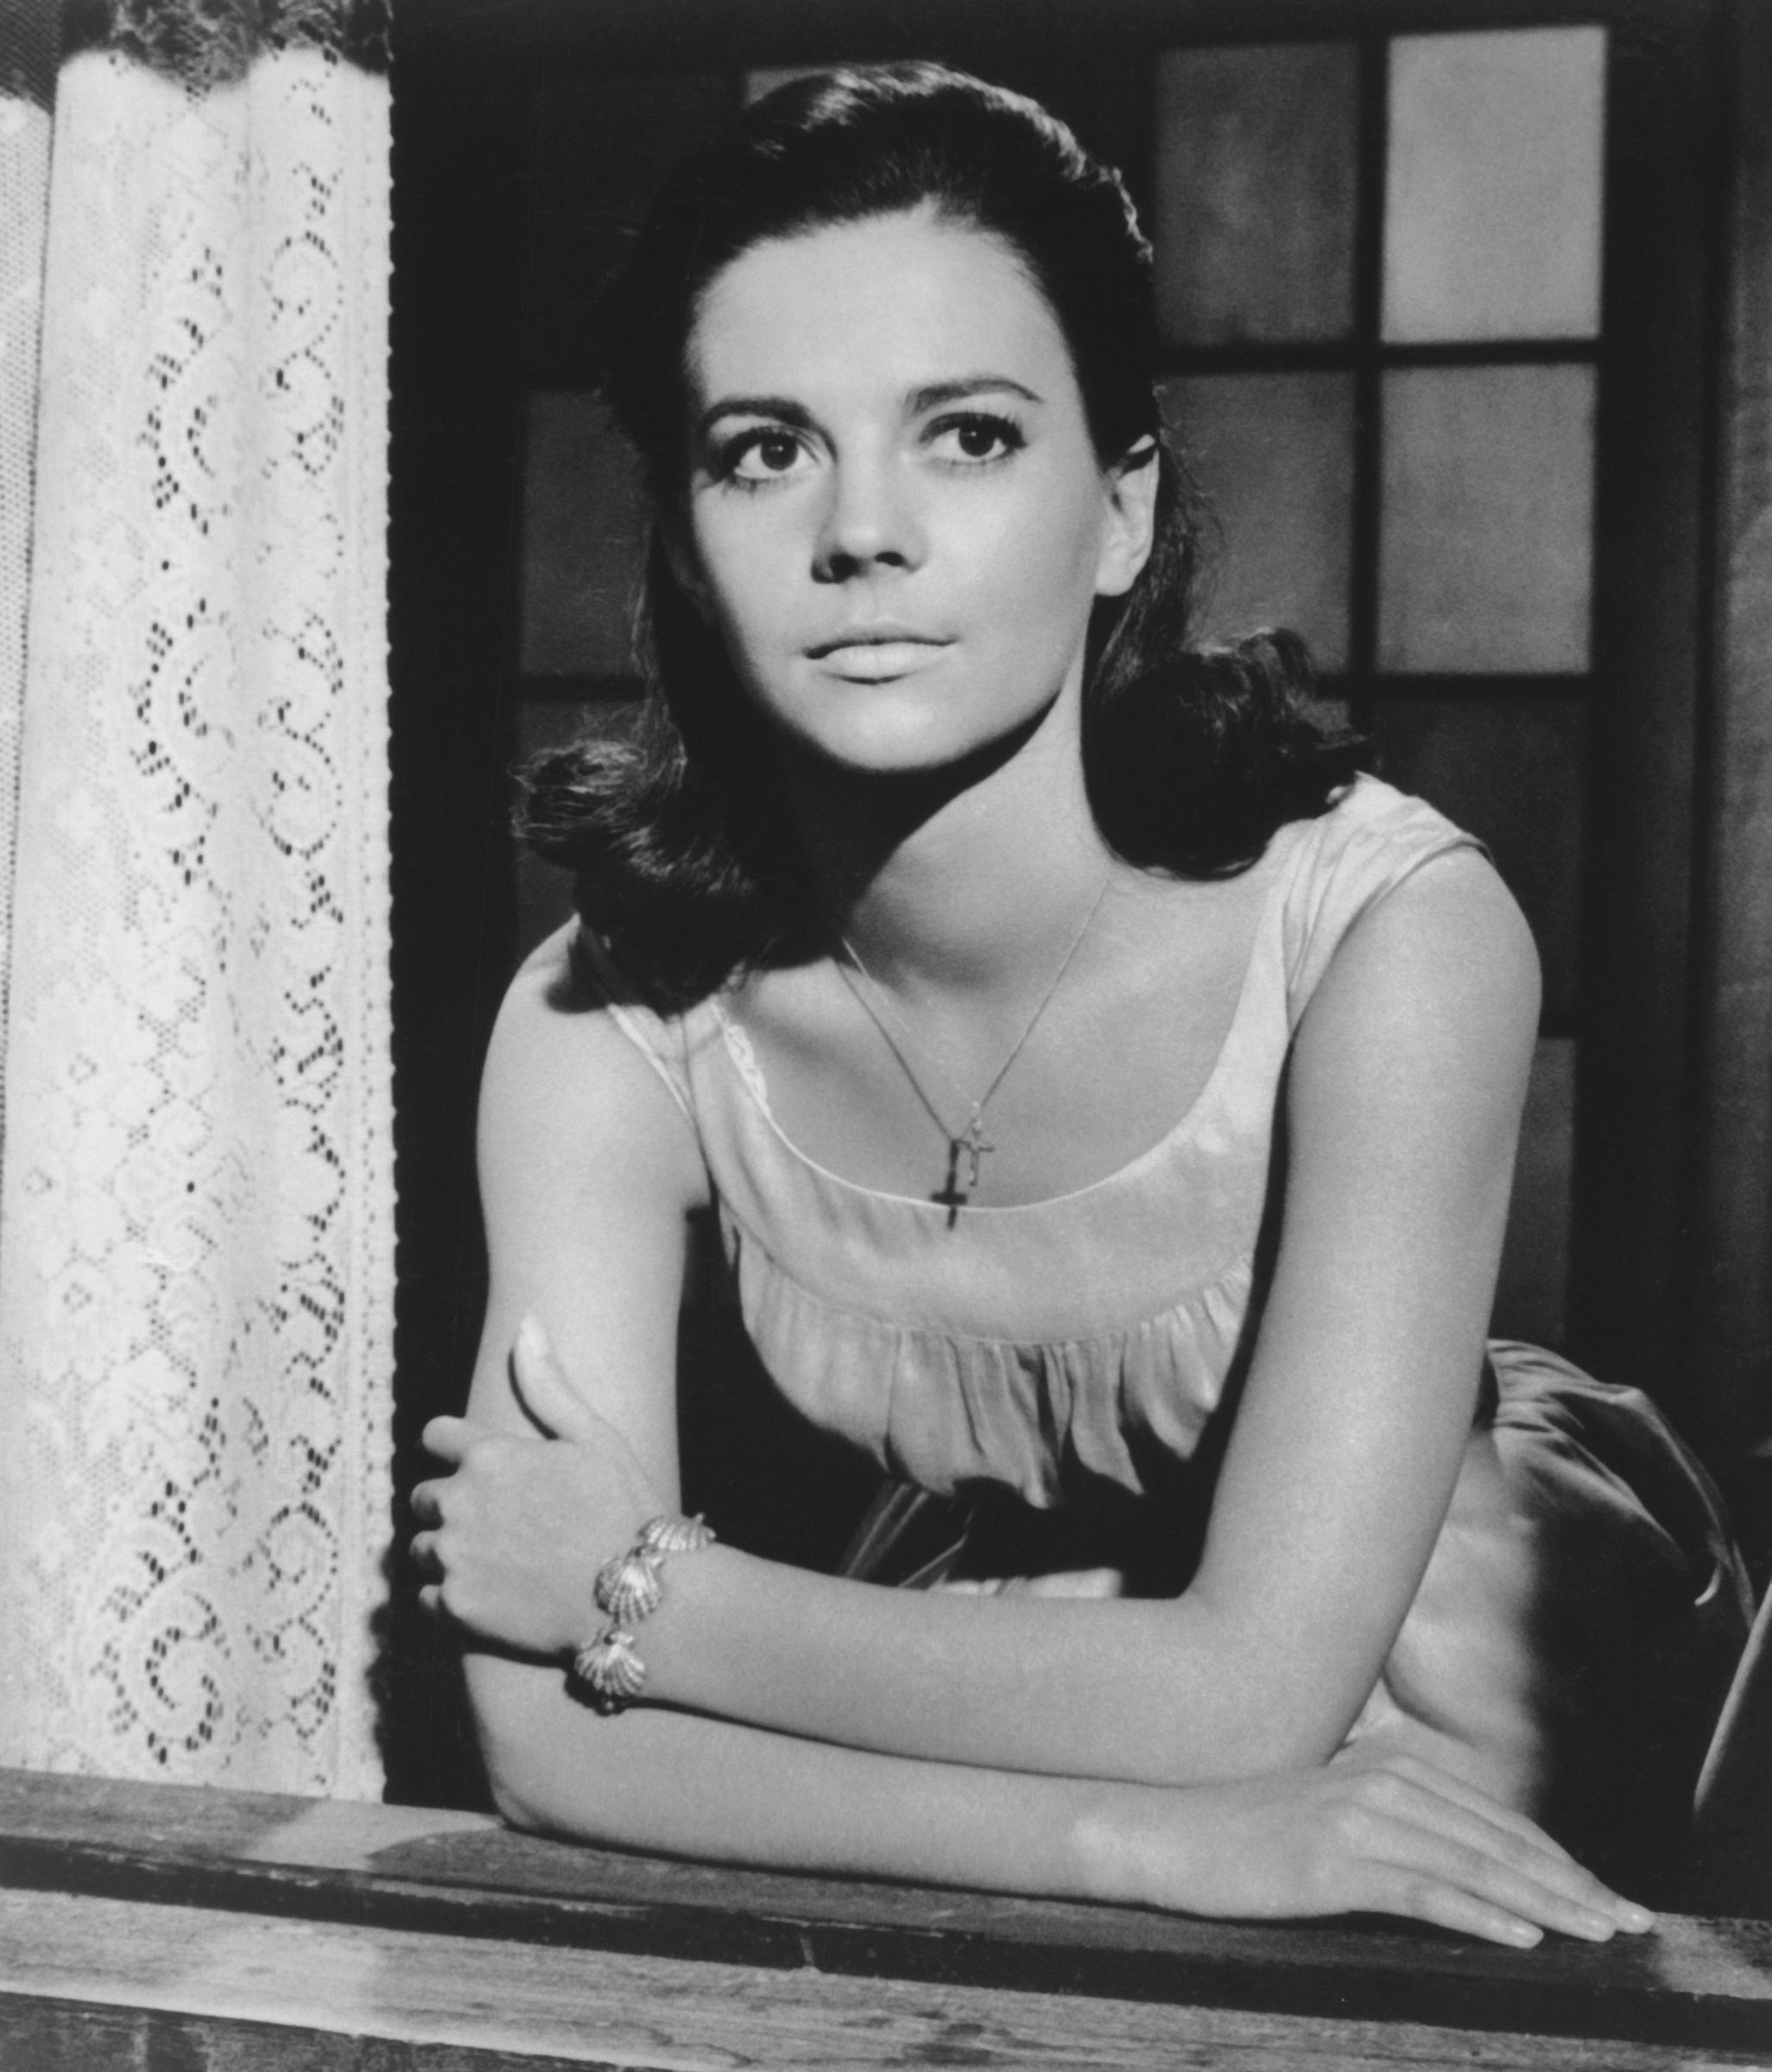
(754,1088)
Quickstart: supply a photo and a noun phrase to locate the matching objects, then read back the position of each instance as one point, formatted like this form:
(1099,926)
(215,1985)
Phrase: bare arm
(588,1174)
(1405,1095)
(1396,1838)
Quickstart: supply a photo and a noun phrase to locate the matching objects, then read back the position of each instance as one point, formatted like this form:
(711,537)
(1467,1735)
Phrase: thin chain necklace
(970,1143)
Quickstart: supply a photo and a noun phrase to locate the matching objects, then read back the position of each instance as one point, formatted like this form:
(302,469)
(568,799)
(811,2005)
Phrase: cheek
(742,582)
(1037,570)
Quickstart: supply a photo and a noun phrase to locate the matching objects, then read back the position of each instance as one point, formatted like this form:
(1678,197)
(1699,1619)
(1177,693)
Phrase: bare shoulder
(589,1172)
(1432,997)
(1449,938)
(566,1089)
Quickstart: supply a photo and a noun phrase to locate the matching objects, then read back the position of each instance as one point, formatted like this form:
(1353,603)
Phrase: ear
(1129,492)
(680,551)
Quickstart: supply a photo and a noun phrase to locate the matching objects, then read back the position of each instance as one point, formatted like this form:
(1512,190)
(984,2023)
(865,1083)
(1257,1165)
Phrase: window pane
(583,539)
(1492,202)
(1486,556)
(1274,455)
(1510,770)
(1255,193)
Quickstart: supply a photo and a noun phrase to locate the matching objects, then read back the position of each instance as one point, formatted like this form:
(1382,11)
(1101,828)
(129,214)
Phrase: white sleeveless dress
(1050,1385)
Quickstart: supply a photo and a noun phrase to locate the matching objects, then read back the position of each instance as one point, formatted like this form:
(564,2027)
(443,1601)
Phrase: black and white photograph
(885,1034)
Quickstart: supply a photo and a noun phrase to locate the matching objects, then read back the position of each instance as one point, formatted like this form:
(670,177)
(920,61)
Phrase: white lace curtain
(196,1202)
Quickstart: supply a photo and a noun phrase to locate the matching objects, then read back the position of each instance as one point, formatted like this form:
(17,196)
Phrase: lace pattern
(196,1266)
(743,1054)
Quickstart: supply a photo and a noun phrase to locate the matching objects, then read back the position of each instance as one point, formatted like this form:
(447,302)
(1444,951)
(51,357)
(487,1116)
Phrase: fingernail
(532,1339)
(1524,1933)
(1635,1918)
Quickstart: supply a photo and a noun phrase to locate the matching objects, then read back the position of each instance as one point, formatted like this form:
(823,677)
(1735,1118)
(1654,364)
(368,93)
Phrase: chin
(885,759)
(876,737)
(926,753)
(906,730)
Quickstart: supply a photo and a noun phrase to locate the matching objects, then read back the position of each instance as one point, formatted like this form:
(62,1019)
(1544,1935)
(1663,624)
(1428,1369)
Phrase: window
(1379,283)
(1379,271)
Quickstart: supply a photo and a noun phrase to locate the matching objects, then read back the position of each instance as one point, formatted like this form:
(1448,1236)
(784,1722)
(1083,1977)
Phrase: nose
(869,521)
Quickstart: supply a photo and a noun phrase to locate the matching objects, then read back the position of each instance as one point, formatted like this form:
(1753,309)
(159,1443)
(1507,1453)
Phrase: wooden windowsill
(97,1876)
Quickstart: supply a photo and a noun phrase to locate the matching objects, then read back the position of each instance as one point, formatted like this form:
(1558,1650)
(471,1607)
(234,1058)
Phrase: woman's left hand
(514,1536)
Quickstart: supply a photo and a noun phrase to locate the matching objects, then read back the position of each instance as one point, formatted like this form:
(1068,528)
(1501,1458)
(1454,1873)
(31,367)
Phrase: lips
(873,653)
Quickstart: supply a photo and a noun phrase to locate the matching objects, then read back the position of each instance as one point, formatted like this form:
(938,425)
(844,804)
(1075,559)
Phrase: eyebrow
(930,396)
(782,406)
(936,393)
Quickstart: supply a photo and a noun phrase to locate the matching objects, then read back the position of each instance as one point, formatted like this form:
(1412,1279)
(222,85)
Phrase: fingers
(1522,1871)
(542,1389)
(447,1437)
(1480,1899)
(426,1503)
(1436,1858)
(1401,1872)
(1476,1800)
(1518,1842)
(1528,1898)
(1470,1815)
(1464,1913)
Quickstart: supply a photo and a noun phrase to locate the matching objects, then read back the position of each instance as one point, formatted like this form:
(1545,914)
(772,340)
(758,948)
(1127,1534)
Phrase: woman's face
(896,515)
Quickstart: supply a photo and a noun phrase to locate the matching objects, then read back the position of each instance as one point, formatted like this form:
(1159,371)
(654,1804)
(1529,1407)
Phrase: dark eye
(763,455)
(976,438)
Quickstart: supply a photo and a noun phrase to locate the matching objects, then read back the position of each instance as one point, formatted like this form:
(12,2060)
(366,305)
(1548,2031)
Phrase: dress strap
(1363,848)
(661,1042)
(740,1050)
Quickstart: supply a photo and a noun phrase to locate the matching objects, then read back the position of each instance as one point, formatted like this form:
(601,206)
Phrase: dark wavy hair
(686,861)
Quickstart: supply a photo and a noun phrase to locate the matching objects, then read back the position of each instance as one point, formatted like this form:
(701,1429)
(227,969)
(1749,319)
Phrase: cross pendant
(971,1145)
(950,1194)
(972,1139)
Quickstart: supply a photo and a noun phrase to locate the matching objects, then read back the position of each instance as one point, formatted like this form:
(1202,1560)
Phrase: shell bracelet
(630,1589)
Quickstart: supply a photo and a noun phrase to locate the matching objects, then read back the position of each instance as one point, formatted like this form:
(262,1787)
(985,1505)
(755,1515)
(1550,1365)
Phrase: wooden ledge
(1696,1983)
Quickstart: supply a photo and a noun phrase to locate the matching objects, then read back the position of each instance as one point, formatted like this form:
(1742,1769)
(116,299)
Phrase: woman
(941,880)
